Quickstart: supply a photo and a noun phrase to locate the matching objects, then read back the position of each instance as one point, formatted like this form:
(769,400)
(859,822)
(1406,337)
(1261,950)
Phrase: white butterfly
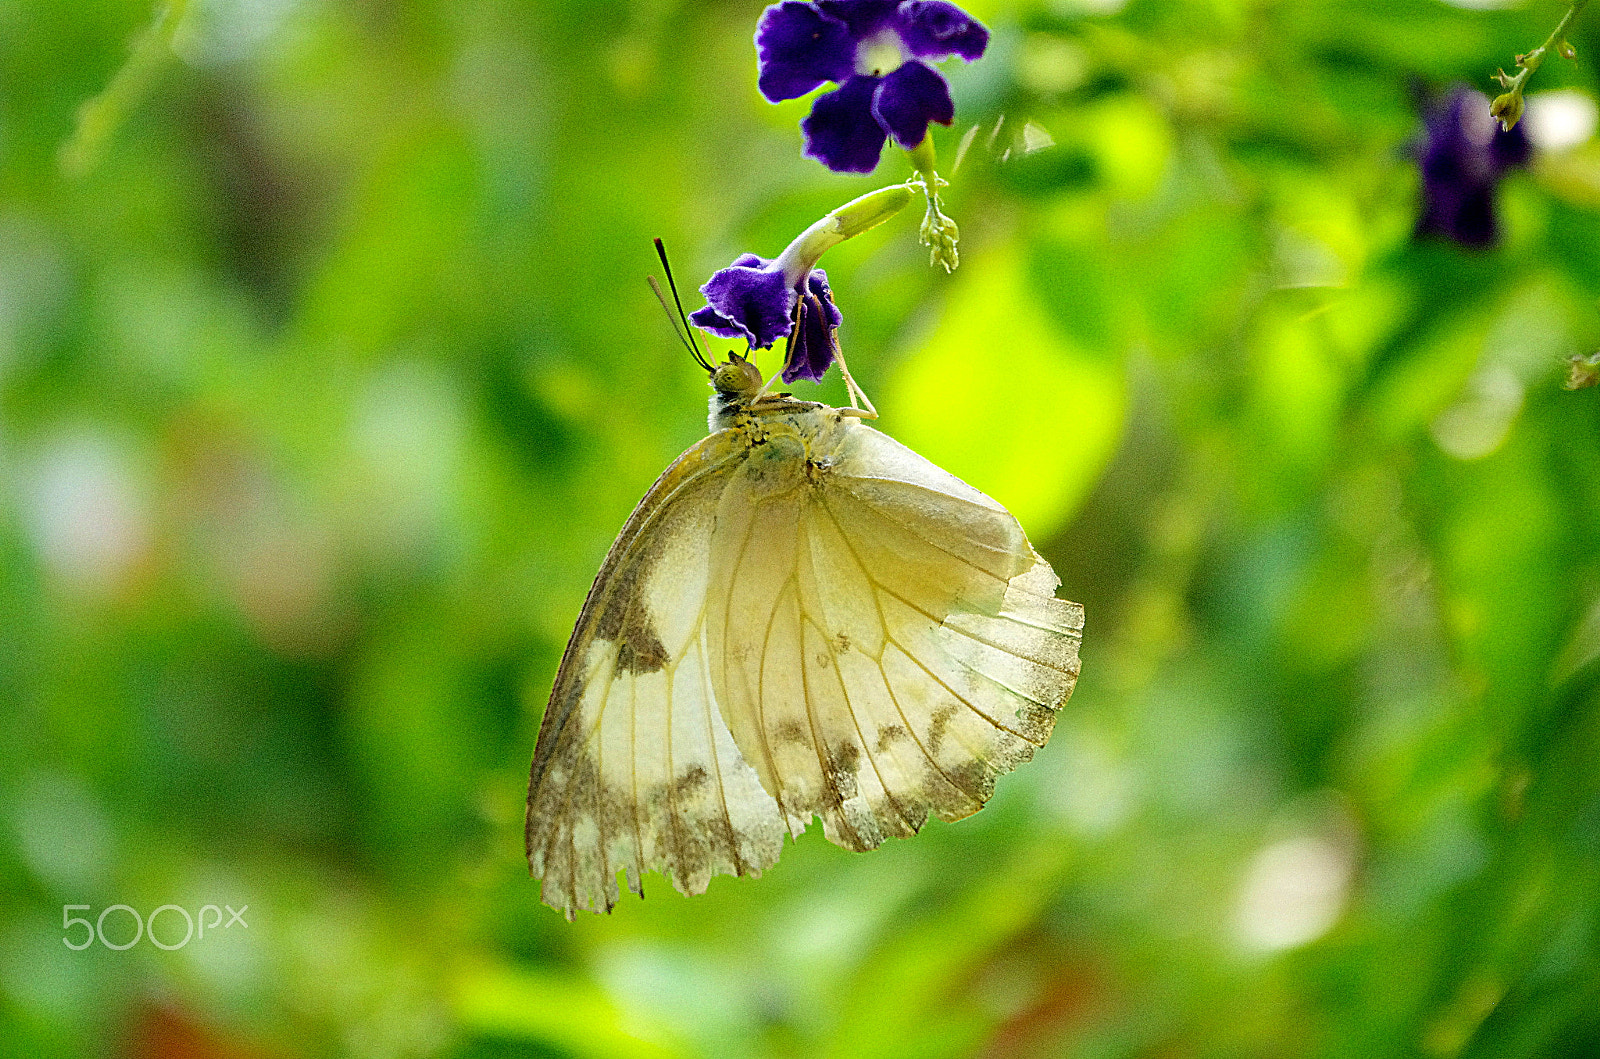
(802,617)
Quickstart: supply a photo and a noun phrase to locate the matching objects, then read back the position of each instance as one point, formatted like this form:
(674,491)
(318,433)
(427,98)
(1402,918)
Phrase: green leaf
(1001,398)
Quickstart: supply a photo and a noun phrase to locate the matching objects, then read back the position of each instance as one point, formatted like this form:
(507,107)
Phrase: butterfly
(801,618)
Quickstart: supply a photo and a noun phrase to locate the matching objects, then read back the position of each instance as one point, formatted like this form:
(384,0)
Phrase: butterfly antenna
(677,328)
(684,331)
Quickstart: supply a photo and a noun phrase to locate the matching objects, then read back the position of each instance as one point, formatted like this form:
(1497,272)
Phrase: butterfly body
(802,618)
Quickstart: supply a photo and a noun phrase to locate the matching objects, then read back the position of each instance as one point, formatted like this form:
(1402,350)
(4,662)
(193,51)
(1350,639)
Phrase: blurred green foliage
(327,373)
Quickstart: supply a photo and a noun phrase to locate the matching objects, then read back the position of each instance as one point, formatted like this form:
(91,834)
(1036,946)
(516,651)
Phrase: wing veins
(669,671)
(890,637)
(607,658)
(876,510)
(675,857)
(844,689)
(883,622)
(594,604)
(572,871)
(975,638)
(711,744)
(817,745)
(908,484)
(761,702)
(1076,634)
(633,783)
(566,802)
(600,819)
(1023,695)
(588,739)
(845,487)
(947,687)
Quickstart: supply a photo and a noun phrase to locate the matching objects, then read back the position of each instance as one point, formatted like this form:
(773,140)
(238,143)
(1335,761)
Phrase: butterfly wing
(822,623)
(634,768)
(885,640)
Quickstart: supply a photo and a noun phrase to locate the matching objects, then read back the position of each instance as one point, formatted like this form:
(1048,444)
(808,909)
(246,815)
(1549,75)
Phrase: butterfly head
(740,393)
(736,379)
(737,382)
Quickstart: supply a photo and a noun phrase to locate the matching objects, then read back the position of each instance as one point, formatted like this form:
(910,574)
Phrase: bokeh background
(328,372)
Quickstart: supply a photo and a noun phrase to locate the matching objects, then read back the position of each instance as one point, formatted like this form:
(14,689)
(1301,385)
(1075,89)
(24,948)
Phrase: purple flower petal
(1510,149)
(747,300)
(1463,158)
(707,319)
(864,17)
(798,48)
(841,132)
(932,29)
(810,351)
(812,343)
(817,284)
(1466,218)
(911,97)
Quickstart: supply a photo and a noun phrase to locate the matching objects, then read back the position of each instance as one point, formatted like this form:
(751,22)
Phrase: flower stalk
(939,233)
(846,222)
(1508,106)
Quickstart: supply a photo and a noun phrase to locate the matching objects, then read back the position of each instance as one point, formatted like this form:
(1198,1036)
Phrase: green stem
(849,220)
(1508,107)
(923,159)
(99,117)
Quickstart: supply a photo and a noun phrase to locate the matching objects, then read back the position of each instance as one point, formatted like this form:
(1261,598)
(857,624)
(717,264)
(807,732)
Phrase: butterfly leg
(864,409)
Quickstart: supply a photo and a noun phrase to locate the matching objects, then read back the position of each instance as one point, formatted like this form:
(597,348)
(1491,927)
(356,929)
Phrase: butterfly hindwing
(888,639)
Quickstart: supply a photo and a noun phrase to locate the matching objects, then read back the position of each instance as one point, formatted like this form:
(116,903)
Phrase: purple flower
(757,299)
(1463,157)
(873,49)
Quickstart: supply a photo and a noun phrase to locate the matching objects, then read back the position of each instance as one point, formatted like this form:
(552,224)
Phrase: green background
(328,371)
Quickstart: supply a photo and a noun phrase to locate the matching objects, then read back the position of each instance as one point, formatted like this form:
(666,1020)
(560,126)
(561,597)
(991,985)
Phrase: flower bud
(941,236)
(1508,108)
(871,210)
(1583,371)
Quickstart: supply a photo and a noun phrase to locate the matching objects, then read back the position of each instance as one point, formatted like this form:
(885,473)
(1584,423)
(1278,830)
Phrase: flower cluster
(1463,158)
(874,50)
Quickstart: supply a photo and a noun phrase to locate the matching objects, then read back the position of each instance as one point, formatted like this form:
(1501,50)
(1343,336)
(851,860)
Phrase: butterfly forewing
(635,770)
(803,617)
